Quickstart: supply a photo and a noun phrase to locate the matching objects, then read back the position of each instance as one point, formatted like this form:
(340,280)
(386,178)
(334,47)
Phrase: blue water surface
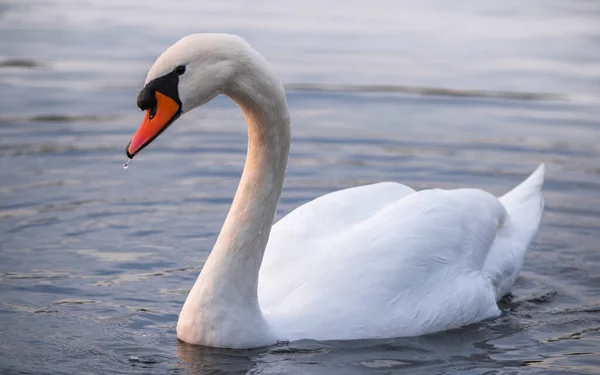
(96,261)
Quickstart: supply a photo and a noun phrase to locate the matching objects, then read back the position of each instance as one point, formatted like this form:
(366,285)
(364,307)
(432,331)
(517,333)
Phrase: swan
(374,261)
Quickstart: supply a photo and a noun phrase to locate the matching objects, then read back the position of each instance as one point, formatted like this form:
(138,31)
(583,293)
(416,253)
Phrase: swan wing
(406,266)
(393,263)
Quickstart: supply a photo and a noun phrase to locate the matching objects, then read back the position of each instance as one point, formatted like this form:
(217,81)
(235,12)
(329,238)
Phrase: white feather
(373,261)
(384,261)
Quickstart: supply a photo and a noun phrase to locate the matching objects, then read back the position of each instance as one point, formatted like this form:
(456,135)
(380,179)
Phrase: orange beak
(155,122)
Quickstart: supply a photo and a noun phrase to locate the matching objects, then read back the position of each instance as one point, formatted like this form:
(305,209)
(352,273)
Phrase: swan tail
(524,205)
(527,196)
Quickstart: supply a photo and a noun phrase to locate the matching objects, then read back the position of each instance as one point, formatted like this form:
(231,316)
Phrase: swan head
(188,74)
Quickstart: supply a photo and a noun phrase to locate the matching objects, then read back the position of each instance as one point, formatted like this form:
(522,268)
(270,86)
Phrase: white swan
(374,261)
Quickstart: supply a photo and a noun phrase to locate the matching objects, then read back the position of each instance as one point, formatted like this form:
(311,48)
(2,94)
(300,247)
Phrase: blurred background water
(95,261)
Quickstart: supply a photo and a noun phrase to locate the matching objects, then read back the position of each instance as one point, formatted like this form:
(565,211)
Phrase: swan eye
(180,70)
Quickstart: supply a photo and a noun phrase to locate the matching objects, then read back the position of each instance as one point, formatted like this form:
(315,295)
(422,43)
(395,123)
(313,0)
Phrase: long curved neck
(222,308)
(246,230)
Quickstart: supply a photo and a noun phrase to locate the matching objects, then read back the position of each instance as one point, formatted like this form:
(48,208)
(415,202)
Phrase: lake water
(96,261)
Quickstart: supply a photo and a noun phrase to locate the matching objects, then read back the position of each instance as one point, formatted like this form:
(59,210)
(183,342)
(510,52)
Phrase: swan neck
(246,230)
(223,303)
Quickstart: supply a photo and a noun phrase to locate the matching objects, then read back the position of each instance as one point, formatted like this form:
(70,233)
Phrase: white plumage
(373,261)
(385,261)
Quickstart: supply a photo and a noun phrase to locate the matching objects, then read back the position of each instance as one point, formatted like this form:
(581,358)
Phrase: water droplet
(126,164)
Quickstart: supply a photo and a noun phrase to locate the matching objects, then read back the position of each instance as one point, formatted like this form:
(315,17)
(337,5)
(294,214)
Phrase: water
(95,262)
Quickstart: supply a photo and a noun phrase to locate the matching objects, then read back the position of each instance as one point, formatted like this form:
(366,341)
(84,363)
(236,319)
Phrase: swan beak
(156,120)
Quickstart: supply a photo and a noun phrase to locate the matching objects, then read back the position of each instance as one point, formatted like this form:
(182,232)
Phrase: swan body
(385,261)
(374,261)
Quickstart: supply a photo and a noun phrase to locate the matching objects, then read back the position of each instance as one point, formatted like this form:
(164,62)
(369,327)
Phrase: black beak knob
(146,99)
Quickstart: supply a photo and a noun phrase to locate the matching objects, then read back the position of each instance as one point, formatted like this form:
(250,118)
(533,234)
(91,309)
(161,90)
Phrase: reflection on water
(95,261)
